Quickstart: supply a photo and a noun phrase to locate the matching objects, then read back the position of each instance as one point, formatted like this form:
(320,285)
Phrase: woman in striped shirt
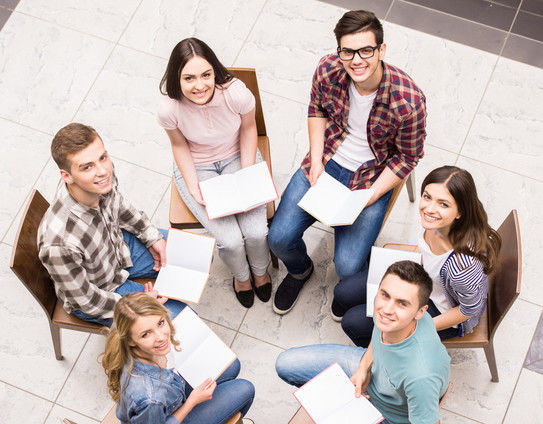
(459,251)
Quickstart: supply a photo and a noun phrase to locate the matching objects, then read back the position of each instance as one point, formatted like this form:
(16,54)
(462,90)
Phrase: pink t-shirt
(211,130)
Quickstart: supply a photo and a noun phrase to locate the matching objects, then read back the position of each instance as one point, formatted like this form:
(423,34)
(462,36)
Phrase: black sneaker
(337,311)
(287,293)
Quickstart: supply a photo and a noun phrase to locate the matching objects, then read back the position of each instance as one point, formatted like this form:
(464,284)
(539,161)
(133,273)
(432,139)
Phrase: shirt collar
(214,102)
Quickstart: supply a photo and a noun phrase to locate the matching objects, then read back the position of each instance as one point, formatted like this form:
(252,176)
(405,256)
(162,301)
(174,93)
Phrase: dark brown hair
(356,21)
(470,234)
(70,140)
(185,50)
(413,273)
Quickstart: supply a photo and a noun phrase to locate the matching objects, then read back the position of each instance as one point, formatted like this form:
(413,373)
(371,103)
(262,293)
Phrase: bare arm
(200,394)
(448,319)
(316,128)
(183,159)
(385,182)
(248,139)
(362,375)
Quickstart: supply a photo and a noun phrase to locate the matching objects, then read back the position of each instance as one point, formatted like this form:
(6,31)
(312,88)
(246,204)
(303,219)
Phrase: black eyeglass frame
(339,50)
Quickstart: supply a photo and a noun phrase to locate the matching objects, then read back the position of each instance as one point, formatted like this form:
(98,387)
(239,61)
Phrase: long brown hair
(118,351)
(470,233)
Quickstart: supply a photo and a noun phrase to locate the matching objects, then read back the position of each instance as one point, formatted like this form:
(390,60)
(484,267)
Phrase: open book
(203,354)
(241,191)
(332,203)
(380,260)
(329,398)
(188,258)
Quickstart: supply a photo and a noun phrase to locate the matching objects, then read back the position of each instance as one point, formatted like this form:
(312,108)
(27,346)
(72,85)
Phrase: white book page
(325,198)
(329,391)
(349,210)
(203,354)
(189,250)
(357,411)
(380,260)
(256,185)
(181,283)
(221,195)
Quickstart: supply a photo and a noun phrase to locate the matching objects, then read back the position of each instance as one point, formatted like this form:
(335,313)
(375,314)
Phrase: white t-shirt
(355,150)
(433,263)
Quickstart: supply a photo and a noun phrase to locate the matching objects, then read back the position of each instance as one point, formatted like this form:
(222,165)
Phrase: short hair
(69,140)
(413,273)
(356,21)
(170,84)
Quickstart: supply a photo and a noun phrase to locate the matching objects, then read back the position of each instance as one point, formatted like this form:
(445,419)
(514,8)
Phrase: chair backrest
(504,283)
(25,262)
(248,76)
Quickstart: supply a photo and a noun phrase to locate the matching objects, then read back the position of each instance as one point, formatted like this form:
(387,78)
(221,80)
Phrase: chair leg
(274,260)
(411,186)
(57,340)
(491,359)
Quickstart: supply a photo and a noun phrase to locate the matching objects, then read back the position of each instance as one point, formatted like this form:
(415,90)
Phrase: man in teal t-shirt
(405,369)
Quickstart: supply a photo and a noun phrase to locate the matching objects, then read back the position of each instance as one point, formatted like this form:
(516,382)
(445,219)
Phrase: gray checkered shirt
(84,251)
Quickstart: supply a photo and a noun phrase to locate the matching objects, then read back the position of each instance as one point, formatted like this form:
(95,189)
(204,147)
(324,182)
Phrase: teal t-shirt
(409,378)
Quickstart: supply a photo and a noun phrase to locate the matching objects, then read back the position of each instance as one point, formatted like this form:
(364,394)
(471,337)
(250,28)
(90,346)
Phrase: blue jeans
(350,295)
(230,396)
(142,267)
(298,365)
(352,242)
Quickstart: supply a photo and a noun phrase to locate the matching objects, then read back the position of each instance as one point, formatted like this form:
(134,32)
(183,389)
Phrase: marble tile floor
(101,62)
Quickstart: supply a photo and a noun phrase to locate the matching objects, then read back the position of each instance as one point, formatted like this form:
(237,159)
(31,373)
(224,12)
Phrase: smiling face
(366,73)
(438,209)
(150,337)
(396,309)
(91,173)
(198,80)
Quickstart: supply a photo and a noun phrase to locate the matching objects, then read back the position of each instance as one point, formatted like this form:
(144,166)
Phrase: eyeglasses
(363,52)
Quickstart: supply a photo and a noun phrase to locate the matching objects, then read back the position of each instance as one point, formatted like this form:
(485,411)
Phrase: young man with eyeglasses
(366,124)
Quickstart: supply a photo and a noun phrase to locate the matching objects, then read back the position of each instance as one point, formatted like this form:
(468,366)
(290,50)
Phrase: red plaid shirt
(396,125)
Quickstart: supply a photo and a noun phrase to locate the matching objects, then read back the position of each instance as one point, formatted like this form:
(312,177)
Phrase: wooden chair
(180,216)
(503,289)
(410,181)
(26,264)
(302,417)
(111,418)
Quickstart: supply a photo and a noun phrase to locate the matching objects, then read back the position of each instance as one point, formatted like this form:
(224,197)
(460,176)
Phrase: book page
(221,195)
(355,203)
(330,395)
(203,353)
(180,283)
(189,250)
(380,260)
(256,185)
(324,199)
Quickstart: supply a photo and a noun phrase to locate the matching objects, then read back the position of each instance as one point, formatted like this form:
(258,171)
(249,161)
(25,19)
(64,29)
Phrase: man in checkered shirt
(366,124)
(91,239)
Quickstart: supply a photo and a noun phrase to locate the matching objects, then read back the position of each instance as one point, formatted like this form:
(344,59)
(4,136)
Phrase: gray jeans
(240,237)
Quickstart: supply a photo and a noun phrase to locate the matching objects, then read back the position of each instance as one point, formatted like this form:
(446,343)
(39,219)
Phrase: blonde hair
(118,351)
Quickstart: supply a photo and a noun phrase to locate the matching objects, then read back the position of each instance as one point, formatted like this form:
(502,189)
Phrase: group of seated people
(366,124)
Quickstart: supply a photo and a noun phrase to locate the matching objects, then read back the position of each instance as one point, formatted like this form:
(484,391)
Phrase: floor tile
(58,413)
(21,406)
(453,91)
(534,359)
(10,4)
(379,7)
(122,106)
(510,3)
(490,138)
(4,16)
(473,394)
(446,26)
(532,6)
(448,417)
(46,68)
(158,26)
(529,25)
(274,402)
(481,11)
(100,18)
(526,402)
(524,50)
(29,363)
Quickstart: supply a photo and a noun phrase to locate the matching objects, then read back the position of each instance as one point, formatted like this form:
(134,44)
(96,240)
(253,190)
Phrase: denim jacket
(150,395)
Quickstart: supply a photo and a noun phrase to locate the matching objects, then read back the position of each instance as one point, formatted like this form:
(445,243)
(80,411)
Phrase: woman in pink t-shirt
(209,116)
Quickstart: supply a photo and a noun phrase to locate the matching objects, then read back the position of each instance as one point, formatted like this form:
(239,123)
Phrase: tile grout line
(250,31)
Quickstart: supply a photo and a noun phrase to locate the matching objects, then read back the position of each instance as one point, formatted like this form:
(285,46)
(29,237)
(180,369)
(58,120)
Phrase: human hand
(203,392)
(148,289)
(158,252)
(315,172)
(361,380)
(197,195)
